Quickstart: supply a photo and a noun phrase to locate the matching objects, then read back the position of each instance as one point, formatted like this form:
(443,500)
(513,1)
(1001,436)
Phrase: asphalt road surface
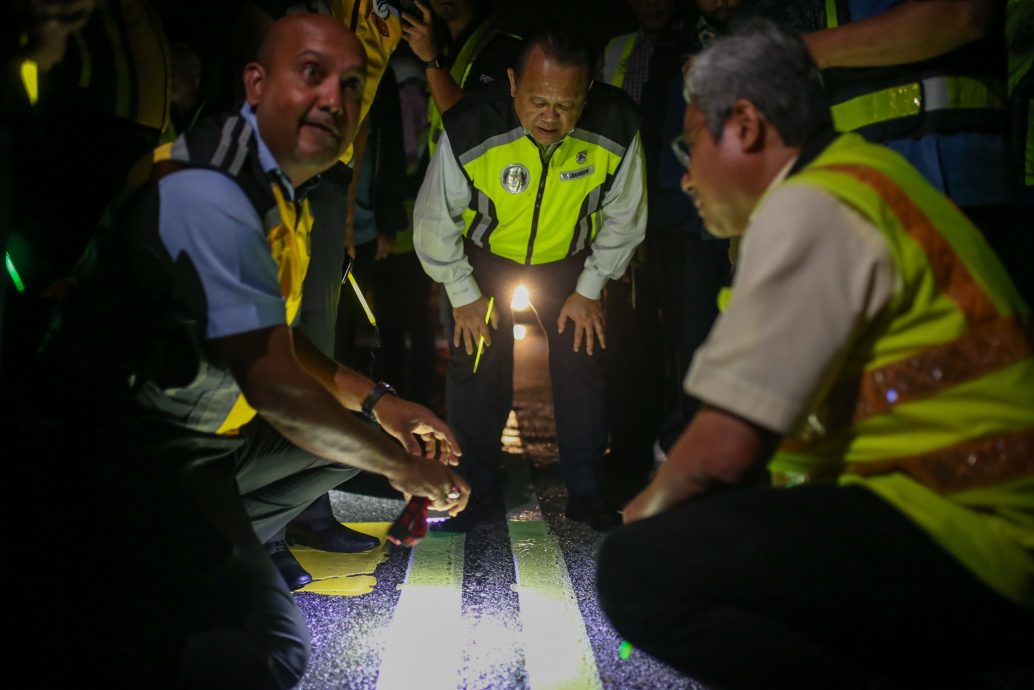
(510,604)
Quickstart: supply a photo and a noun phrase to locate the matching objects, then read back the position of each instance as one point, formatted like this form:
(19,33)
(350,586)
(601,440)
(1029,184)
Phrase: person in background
(554,169)
(929,80)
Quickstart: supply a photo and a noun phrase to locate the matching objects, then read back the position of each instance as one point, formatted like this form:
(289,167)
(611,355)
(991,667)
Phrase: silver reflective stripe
(179,150)
(224,142)
(477,233)
(585,224)
(942,93)
(599,140)
(242,150)
(498,140)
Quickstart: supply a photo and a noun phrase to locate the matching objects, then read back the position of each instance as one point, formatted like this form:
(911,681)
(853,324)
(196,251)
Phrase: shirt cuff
(463,292)
(590,284)
(741,398)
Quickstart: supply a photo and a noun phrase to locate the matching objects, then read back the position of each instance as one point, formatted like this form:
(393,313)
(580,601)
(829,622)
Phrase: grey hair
(767,65)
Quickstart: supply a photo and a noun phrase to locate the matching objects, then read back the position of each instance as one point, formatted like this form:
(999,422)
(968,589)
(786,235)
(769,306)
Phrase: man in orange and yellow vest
(875,356)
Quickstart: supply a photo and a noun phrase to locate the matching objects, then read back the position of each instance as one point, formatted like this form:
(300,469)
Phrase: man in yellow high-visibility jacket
(877,357)
(541,183)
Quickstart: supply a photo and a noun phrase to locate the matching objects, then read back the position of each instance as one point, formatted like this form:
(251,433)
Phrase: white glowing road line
(424,644)
(557,652)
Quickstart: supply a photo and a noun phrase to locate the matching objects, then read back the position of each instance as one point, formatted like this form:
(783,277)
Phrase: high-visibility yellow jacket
(525,207)
(934,406)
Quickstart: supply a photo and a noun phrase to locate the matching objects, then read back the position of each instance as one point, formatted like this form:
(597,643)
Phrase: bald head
(293,26)
(306,88)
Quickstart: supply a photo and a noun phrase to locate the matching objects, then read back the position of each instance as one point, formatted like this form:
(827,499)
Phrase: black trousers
(171,586)
(479,404)
(811,587)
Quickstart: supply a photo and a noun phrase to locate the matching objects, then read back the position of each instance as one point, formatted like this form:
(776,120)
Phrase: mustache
(329,123)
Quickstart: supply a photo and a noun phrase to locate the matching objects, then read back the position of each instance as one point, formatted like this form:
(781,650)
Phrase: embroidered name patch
(575,174)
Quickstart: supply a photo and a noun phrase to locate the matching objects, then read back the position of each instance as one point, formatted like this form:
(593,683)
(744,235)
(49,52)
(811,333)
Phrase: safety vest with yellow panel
(615,58)
(459,71)
(963,90)
(933,408)
(212,401)
(525,206)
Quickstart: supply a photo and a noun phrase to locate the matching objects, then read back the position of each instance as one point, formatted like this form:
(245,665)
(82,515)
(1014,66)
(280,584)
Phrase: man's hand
(588,318)
(717,449)
(407,420)
(471,326)
(656,498)
(446,490)
(418,33)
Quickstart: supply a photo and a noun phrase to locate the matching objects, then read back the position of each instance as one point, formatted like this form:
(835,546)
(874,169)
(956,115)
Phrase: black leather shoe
(333,536)
(591,508)
(290,569)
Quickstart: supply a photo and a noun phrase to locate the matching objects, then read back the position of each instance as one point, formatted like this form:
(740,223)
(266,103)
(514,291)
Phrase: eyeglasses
(681,151)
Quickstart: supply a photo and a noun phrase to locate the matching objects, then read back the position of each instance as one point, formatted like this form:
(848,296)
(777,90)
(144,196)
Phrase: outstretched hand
(408,422)
(446,490)
(589,321)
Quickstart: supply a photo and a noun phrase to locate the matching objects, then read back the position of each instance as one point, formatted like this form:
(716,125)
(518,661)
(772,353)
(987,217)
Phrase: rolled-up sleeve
(438,226)
(813,274)
(623,225)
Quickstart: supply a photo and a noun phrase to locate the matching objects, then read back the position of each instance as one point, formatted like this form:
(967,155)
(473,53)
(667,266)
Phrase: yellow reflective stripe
(935,93)
(30,80)
(878,106)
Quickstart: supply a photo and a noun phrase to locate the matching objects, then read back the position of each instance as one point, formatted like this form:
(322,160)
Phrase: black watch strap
(378,392)
(434,64)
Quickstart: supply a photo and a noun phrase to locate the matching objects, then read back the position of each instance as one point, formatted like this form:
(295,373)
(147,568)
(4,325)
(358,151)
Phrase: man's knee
(623,565)
(274,660)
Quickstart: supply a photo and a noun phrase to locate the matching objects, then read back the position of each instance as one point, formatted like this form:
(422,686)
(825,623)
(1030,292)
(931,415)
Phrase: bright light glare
(519,332)
(521,298)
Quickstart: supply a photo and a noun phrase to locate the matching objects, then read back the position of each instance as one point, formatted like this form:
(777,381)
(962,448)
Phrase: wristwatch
(434,64)
(378,392)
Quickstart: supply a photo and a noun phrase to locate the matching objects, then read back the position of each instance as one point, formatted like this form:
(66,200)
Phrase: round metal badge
(514,178)
(581,157)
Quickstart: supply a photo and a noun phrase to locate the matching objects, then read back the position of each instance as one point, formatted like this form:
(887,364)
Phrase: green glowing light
(625,650)
(13,272)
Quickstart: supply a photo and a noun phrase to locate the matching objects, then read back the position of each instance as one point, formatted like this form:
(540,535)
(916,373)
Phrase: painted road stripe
(557,652)
(424,643)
